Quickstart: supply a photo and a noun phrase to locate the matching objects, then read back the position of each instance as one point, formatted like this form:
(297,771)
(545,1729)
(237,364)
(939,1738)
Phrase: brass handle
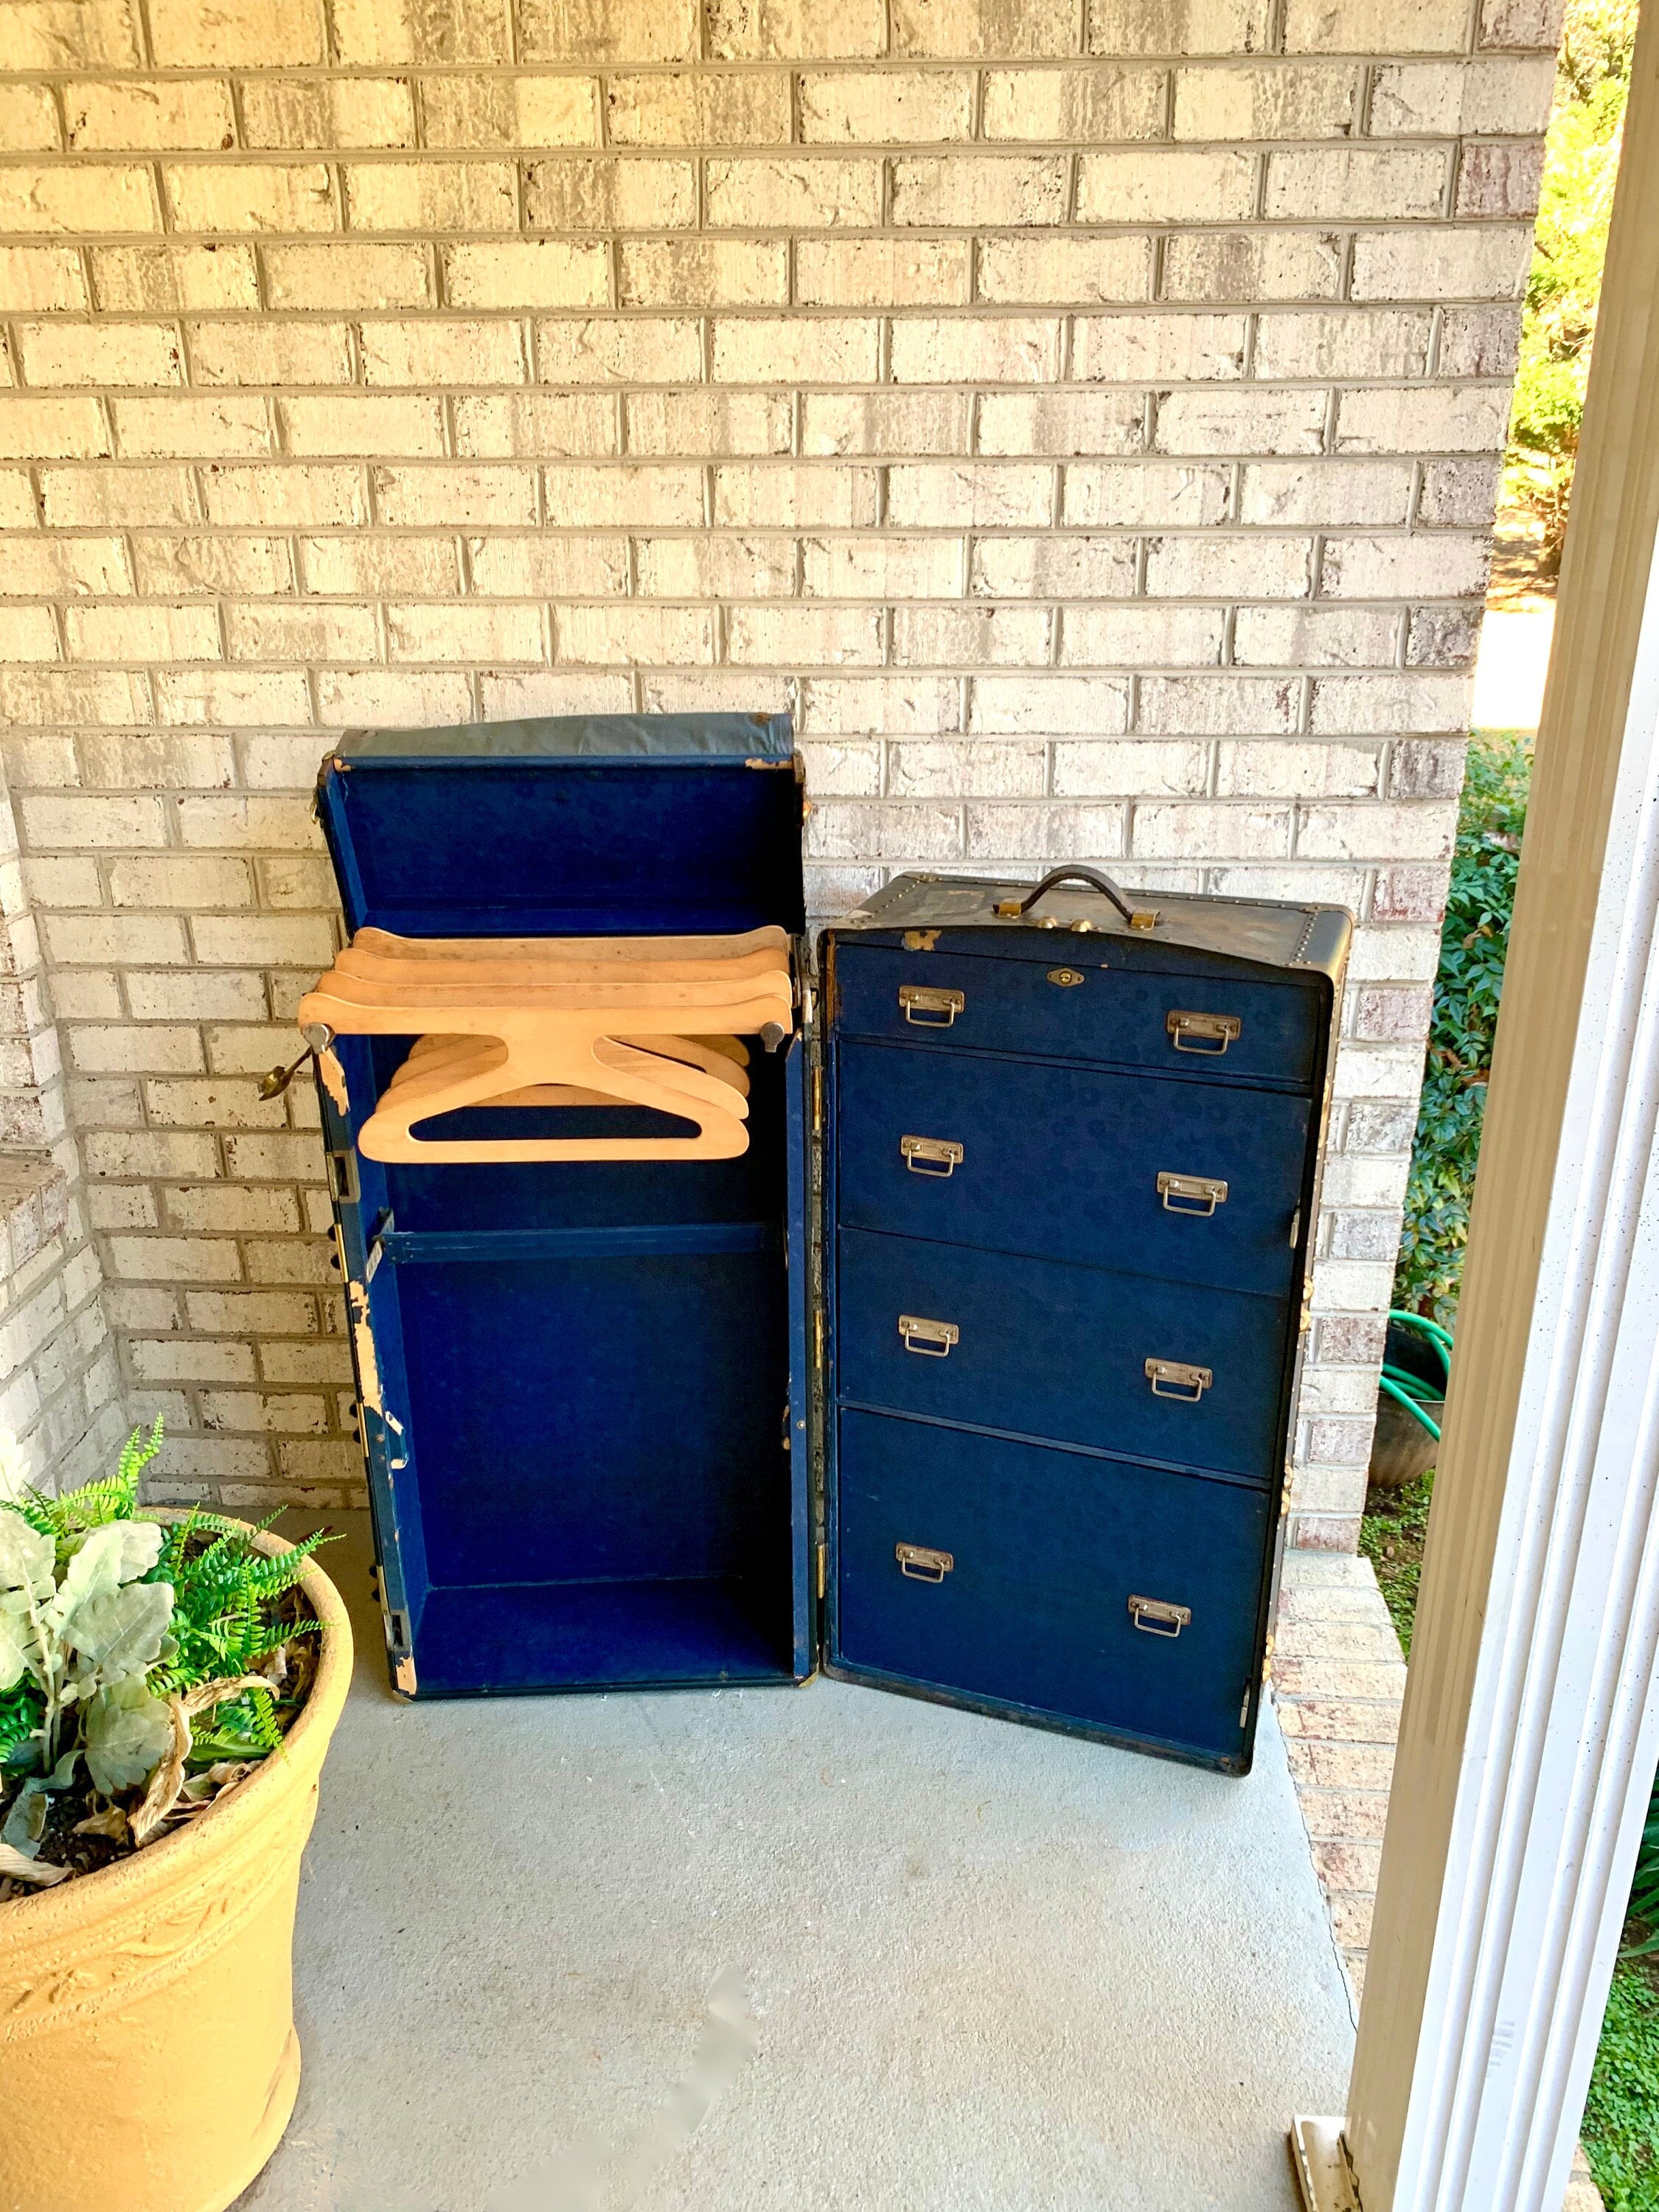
(917,1152)
(922,1564)
(1206,1192)
(928,1007)
(1173,1378)
(1215,1032)
(1148,1613)
(929,1340)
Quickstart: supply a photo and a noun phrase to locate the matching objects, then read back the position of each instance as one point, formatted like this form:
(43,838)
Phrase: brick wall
(1084,418)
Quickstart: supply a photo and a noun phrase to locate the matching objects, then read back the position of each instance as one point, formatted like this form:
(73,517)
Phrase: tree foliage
(1575,202)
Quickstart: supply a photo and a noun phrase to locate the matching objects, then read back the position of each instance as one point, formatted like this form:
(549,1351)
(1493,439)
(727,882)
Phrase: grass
(1620,2127)
(1392,1535)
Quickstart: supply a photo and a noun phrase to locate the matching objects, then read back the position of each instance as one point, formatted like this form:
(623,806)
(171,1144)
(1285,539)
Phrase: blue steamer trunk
(971,1378)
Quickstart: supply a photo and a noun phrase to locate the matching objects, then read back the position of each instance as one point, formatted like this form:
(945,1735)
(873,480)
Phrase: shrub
(1474,944)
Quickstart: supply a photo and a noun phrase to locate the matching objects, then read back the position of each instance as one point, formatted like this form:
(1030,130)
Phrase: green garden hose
(1408,1389)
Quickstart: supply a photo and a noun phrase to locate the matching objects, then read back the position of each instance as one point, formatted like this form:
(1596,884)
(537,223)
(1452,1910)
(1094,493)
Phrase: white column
(1531,1726)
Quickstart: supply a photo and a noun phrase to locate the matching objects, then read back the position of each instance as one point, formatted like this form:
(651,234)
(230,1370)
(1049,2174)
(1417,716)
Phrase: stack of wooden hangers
(551,1021)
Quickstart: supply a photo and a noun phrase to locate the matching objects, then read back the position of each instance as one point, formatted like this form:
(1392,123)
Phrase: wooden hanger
(652,1021)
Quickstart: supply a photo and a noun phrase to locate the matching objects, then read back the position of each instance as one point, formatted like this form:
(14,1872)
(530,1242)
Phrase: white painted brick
(1484,262)
(869,272)
(585,497)
(1053,568)
(679,272)
(543,273)
(816,193)
(1271,100)
(1138,637)
(1130,768)
(1315,637)
(887,421)
(961,192)
(715,567)
(348,275)
(1035,28)
(796,349)
(1211,831)
(1333,184)
(1228,567)
(1434,564)
(1392,706)
(533,423)
(885,705)
(1103,103)
(781,497)
(1242,422)
(1415,830)
(1336,493)
(1014,704)
(816,636)
(757,30)
(624,634)
(1062,423)
(977,636)
(943,495)
(1111,267)
(1363,26)
(598,350)
(982,767)
(1233,265)
(1467,418)
(988,350)
(1156,348)
(1344,342)
(1263,767)
(630,192)
(702,107)
(1122,495)
(1167,184)
(699,422)
(442,350)
(307,112)
(884,567)
(1179,26)
(36,278)
(886,107)
(1442,98)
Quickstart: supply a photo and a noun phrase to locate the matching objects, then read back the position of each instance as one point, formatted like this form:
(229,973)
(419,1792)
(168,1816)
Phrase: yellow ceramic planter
(147,2058)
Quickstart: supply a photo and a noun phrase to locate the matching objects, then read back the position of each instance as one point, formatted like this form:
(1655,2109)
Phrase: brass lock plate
(922,1563)
(1173,1378)
(1067,978)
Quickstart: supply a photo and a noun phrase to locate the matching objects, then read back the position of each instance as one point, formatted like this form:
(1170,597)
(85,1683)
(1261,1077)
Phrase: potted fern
(168,1684)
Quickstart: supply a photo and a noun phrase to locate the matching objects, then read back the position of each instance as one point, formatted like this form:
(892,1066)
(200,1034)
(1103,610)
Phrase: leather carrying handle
(1137,917)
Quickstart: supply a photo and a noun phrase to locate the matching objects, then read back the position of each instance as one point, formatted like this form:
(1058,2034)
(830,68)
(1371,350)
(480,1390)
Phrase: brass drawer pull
(1159,1617)
(930,1008)
(1213,1033)
(930,1339)
(1173,1378)
(943,1153)
(1204,1193)
(922,1564)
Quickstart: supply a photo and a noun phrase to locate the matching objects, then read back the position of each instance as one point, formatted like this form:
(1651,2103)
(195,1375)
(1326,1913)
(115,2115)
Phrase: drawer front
(1047,1349)
(1190,1182)
(1137,1018)
(1045,1550)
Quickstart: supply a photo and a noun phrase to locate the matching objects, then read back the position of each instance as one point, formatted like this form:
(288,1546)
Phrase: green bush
(1474,944)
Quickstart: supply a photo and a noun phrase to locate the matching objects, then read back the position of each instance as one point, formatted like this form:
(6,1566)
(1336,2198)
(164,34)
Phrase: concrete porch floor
(982,1968)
